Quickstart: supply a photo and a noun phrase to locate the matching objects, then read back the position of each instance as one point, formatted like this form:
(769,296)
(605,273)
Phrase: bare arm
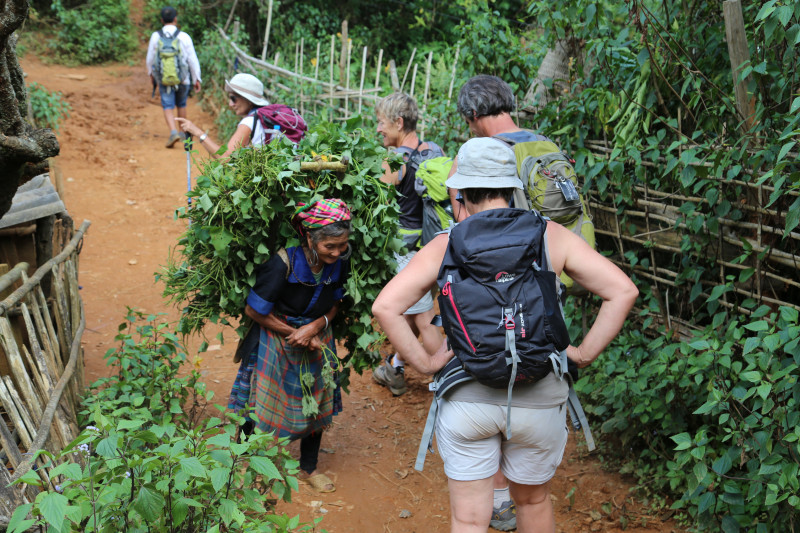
(392,178)
(459,211)
(570,253)
(306,335)
(402,292)
(240,137)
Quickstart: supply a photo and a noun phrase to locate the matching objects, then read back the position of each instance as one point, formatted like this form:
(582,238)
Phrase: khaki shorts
(472,443)
(426,302)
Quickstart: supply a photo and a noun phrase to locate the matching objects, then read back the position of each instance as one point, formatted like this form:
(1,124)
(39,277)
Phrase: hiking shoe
(392,378)
(504,518)
(173,138)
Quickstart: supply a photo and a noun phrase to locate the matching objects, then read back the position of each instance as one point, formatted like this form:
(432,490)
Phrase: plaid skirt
(268,385)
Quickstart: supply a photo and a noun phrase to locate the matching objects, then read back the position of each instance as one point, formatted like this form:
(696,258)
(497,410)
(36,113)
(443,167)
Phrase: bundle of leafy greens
(240,215)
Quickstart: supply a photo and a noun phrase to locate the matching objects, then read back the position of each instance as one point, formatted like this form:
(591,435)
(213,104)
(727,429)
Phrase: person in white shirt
(174,97)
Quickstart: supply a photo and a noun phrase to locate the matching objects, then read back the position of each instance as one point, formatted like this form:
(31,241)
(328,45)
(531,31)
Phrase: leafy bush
(241,212)
(145,465)
(728,398)
(97,31)
(48,108)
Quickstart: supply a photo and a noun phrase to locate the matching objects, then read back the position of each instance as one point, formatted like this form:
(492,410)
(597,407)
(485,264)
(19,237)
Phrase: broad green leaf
(219,477)
(148,503)
(54,508)
(683,441)
(18,522)
(193,467)
(130,424)
(265,467)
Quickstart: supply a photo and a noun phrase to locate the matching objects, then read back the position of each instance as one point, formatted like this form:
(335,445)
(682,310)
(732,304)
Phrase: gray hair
(335,229)
(399,105)
(485,95)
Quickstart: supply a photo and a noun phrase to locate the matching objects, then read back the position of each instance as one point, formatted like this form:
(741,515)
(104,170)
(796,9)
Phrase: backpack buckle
(508,321)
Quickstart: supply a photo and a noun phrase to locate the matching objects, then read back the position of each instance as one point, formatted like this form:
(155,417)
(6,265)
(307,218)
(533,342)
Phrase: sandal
(321,483)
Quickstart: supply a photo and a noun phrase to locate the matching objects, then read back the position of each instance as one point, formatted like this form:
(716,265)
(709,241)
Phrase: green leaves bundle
(240,215)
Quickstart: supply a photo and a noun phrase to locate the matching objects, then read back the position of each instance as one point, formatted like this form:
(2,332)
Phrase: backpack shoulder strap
(577,415)
(254,112)
(285,258)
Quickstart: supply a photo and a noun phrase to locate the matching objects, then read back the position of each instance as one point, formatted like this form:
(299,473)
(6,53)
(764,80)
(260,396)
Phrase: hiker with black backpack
(501,391)
(550,186)
(173,67)
(397,116)
(261,121)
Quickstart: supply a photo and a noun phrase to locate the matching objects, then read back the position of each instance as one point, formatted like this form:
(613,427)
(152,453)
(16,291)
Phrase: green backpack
(170,66)
(551,187)
(437,212)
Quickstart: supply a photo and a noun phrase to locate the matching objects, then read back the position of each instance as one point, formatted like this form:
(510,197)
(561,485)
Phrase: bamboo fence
(39,399)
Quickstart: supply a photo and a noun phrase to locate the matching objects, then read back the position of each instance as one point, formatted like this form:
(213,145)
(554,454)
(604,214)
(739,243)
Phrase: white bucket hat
(487,163)
(248,87)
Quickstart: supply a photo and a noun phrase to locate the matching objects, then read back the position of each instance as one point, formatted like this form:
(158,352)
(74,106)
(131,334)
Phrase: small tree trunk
(22,147)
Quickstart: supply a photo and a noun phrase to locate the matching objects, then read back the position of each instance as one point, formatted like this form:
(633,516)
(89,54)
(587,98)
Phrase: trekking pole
(187,146)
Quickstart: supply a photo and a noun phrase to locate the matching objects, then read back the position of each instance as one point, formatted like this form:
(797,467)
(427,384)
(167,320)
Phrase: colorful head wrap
(319,214)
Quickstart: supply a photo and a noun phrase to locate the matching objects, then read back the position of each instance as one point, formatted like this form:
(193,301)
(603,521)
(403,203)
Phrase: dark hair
(477,195)
(168,14)
(399,105)
(485,95)
(334,229)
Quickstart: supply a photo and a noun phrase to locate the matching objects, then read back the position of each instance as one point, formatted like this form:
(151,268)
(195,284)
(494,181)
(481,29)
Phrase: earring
(314,258)
(348,253)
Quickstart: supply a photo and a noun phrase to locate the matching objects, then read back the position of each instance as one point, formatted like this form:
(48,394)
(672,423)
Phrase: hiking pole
(187,146)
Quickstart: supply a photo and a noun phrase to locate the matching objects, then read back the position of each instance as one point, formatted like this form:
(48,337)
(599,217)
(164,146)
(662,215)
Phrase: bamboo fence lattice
(40,397)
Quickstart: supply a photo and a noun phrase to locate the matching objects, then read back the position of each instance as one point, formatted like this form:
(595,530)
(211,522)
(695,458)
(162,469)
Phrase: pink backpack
(287,118)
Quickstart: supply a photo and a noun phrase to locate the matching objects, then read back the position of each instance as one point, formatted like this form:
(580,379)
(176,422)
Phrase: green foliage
(240,215)
(95,32)
(192,17)
(145,465)
(48,108)
(713,419)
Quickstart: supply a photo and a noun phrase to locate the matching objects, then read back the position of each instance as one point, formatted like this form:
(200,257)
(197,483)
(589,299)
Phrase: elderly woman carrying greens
(287,381)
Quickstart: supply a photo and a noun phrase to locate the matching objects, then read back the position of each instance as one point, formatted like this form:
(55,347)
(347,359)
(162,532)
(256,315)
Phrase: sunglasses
(459,198)
(233,97)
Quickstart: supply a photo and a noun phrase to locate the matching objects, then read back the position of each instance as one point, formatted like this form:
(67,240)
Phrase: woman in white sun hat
(245,96)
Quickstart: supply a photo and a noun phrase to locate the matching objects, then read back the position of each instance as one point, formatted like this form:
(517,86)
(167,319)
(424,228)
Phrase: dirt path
(118,174)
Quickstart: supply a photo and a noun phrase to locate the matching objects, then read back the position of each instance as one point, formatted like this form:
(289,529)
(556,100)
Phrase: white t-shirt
(258,136)
(187,48)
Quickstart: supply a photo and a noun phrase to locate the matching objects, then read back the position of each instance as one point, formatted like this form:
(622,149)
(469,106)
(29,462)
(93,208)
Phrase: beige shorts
(471,440)
(426,302)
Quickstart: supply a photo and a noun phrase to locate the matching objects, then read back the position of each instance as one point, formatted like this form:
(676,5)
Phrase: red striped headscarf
(319,214)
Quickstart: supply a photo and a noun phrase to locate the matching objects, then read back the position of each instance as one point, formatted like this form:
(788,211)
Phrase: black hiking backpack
(499,298)
(500,306)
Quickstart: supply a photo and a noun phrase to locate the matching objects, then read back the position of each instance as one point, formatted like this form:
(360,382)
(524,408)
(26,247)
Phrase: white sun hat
(248,87)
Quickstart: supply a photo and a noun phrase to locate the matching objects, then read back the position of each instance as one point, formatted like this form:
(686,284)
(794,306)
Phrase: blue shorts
(172,97)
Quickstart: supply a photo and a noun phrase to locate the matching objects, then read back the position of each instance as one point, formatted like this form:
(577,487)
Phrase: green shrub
(95,32)
(713,419)
(146,465)
(48,109)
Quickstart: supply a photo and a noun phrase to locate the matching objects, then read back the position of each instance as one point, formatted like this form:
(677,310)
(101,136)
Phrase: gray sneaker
(504,518)
(392,378)
(173,138)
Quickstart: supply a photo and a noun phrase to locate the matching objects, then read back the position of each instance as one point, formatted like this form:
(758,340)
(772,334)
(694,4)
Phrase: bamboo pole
(230,15)
(17,366)
(333,46)
(408,67)
(413,81)
(347,84)
(453,75)
(266,31)
(378,70)
(15,416)
(393,75)
(302,61)
(316,74)
(344,58)
(740,58)
(425,93)
(361,85)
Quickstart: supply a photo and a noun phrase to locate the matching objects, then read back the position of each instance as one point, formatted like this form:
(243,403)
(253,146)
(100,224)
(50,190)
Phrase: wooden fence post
(740,55)
(343,56)
(393,75)
(266,31)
